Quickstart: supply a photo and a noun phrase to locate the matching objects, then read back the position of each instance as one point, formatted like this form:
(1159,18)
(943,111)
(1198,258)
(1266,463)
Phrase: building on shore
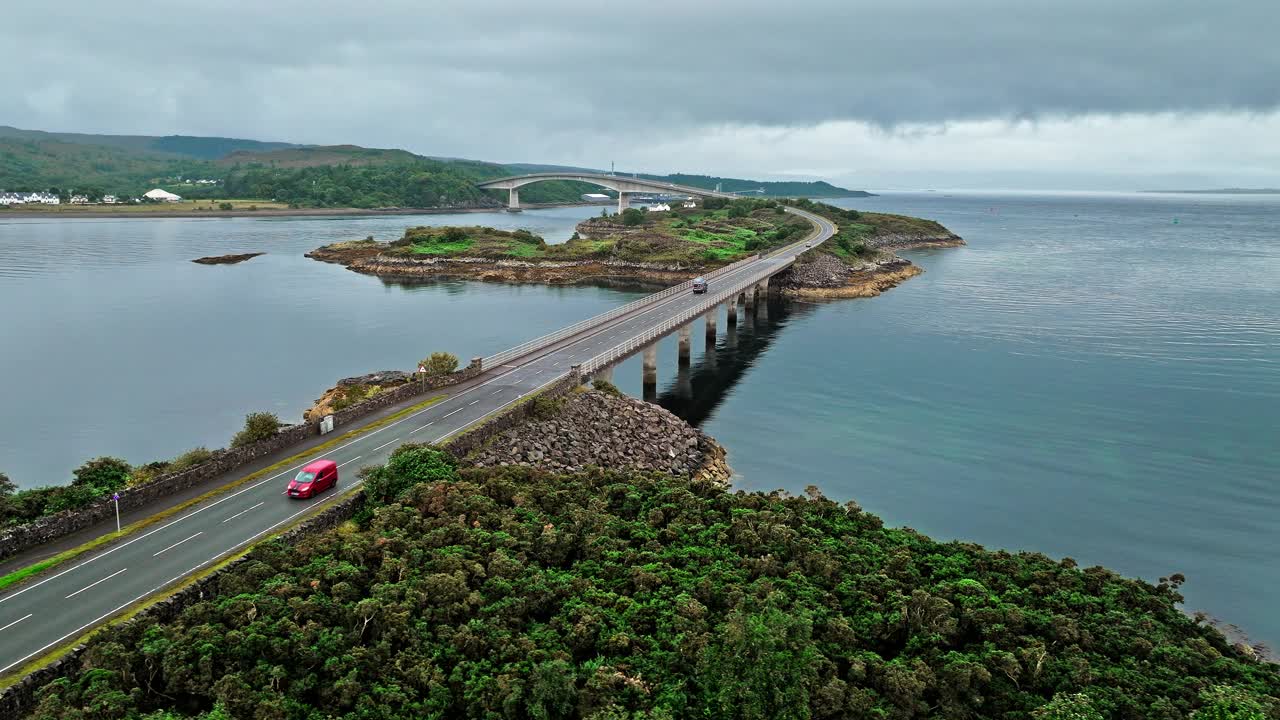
(109,200)
(159,195)
(29,198)
(595,197)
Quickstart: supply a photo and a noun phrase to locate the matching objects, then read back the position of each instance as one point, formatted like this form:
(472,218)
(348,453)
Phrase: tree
(103,475)
(7,486)
(455,234)
(440,363)
(257,426)
(714,203)
(632,217)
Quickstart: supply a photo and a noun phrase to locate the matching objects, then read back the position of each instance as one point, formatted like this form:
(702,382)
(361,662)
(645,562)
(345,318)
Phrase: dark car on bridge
(316,477)
(699,285)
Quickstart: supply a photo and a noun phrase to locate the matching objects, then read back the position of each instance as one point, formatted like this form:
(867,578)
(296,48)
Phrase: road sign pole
(115,497)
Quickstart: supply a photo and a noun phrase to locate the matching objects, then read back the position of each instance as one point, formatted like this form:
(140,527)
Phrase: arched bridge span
(620,184)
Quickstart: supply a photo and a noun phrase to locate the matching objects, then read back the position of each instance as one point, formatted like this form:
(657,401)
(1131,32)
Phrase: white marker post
(116,498)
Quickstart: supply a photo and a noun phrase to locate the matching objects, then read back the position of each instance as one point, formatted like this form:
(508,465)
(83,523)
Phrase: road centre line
(310,507)
(15,622)
(86,587)
(383,445)
(614,328)
(180,542)
(233,517)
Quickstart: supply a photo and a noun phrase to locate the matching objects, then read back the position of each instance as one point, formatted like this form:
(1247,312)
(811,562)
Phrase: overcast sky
(1086,94)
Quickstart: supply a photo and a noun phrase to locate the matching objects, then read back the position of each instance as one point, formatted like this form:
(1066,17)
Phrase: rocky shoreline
(606,430)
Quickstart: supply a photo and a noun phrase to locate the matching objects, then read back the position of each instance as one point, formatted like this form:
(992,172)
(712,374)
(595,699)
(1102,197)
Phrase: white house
(24,198)
(109,199)
(660,207)
(159,195)
(690,204)
(79,199)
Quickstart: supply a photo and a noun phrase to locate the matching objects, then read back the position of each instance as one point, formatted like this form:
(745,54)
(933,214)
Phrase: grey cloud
(505,80)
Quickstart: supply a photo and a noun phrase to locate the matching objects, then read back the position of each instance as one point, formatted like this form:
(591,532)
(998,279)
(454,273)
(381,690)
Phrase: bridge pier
(710,319)
(649,375)
(683,353)
(749,299)
(624,201)
(731,306)
(764,287)
(513,200)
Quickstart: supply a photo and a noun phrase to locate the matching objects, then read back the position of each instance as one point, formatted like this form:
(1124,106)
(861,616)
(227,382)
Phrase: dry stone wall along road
(43,614)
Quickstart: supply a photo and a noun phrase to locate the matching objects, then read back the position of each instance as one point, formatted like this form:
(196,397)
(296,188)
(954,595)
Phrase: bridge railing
(551,338)
(712,300)
(687,315)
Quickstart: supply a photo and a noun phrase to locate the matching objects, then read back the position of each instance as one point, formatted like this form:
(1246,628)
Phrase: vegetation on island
(859,231)
(513,593)
(715,234)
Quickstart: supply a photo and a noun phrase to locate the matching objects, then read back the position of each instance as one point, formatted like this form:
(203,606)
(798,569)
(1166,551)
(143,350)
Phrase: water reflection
(700,388)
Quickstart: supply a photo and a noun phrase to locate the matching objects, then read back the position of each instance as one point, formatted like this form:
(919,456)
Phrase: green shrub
(257,426)
(191,458)
(714,203)
(7,486)
(606,387)
(455,234)
(529,238)
(70,498)
(224,206)
(409,465)
(440,363)
(104,474)
(632,217)
(545,407)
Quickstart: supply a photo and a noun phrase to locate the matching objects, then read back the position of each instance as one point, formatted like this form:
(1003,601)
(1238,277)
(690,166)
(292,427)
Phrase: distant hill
(320,155)
(204,148)
(31,164)
(304,175)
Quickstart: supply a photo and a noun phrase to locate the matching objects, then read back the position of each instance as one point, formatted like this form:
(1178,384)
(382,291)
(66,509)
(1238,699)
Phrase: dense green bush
(257,426)
(440,363)
(409,465)
(104,474)
(632,217)
(512,593)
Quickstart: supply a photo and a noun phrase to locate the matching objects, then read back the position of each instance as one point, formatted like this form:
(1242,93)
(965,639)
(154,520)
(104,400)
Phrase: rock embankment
(904,241)
(600,429)
(819,275)
(226,259)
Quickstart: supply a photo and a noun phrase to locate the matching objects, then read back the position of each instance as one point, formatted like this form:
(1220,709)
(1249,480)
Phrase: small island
(661,246)
(226,259)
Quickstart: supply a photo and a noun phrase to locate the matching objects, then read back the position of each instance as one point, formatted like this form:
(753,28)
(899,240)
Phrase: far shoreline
(274,212)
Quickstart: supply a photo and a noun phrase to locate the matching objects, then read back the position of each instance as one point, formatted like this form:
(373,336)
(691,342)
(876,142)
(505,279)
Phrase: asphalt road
(41,615)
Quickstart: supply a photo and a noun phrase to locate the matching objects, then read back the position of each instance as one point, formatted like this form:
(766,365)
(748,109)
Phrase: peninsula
(660,247)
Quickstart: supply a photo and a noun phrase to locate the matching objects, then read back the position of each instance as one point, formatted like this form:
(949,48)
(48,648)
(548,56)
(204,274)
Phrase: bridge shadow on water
(700,388)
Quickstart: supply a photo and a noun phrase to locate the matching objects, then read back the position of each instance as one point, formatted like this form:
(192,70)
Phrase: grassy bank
(514,593)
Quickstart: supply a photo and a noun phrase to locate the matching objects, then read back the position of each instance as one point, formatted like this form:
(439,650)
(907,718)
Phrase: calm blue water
(1086,379)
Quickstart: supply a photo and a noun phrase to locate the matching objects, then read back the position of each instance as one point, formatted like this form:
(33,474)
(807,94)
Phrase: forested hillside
(509,593)
(301,175)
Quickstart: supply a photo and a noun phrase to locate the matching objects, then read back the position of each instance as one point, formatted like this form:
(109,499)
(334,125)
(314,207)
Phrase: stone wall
(474,438)
(19,699)
(50,528)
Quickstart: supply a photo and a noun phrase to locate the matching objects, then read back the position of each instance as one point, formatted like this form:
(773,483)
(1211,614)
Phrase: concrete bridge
(620,184)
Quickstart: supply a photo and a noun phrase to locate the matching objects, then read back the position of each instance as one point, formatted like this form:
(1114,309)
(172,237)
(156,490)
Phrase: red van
(315,477)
